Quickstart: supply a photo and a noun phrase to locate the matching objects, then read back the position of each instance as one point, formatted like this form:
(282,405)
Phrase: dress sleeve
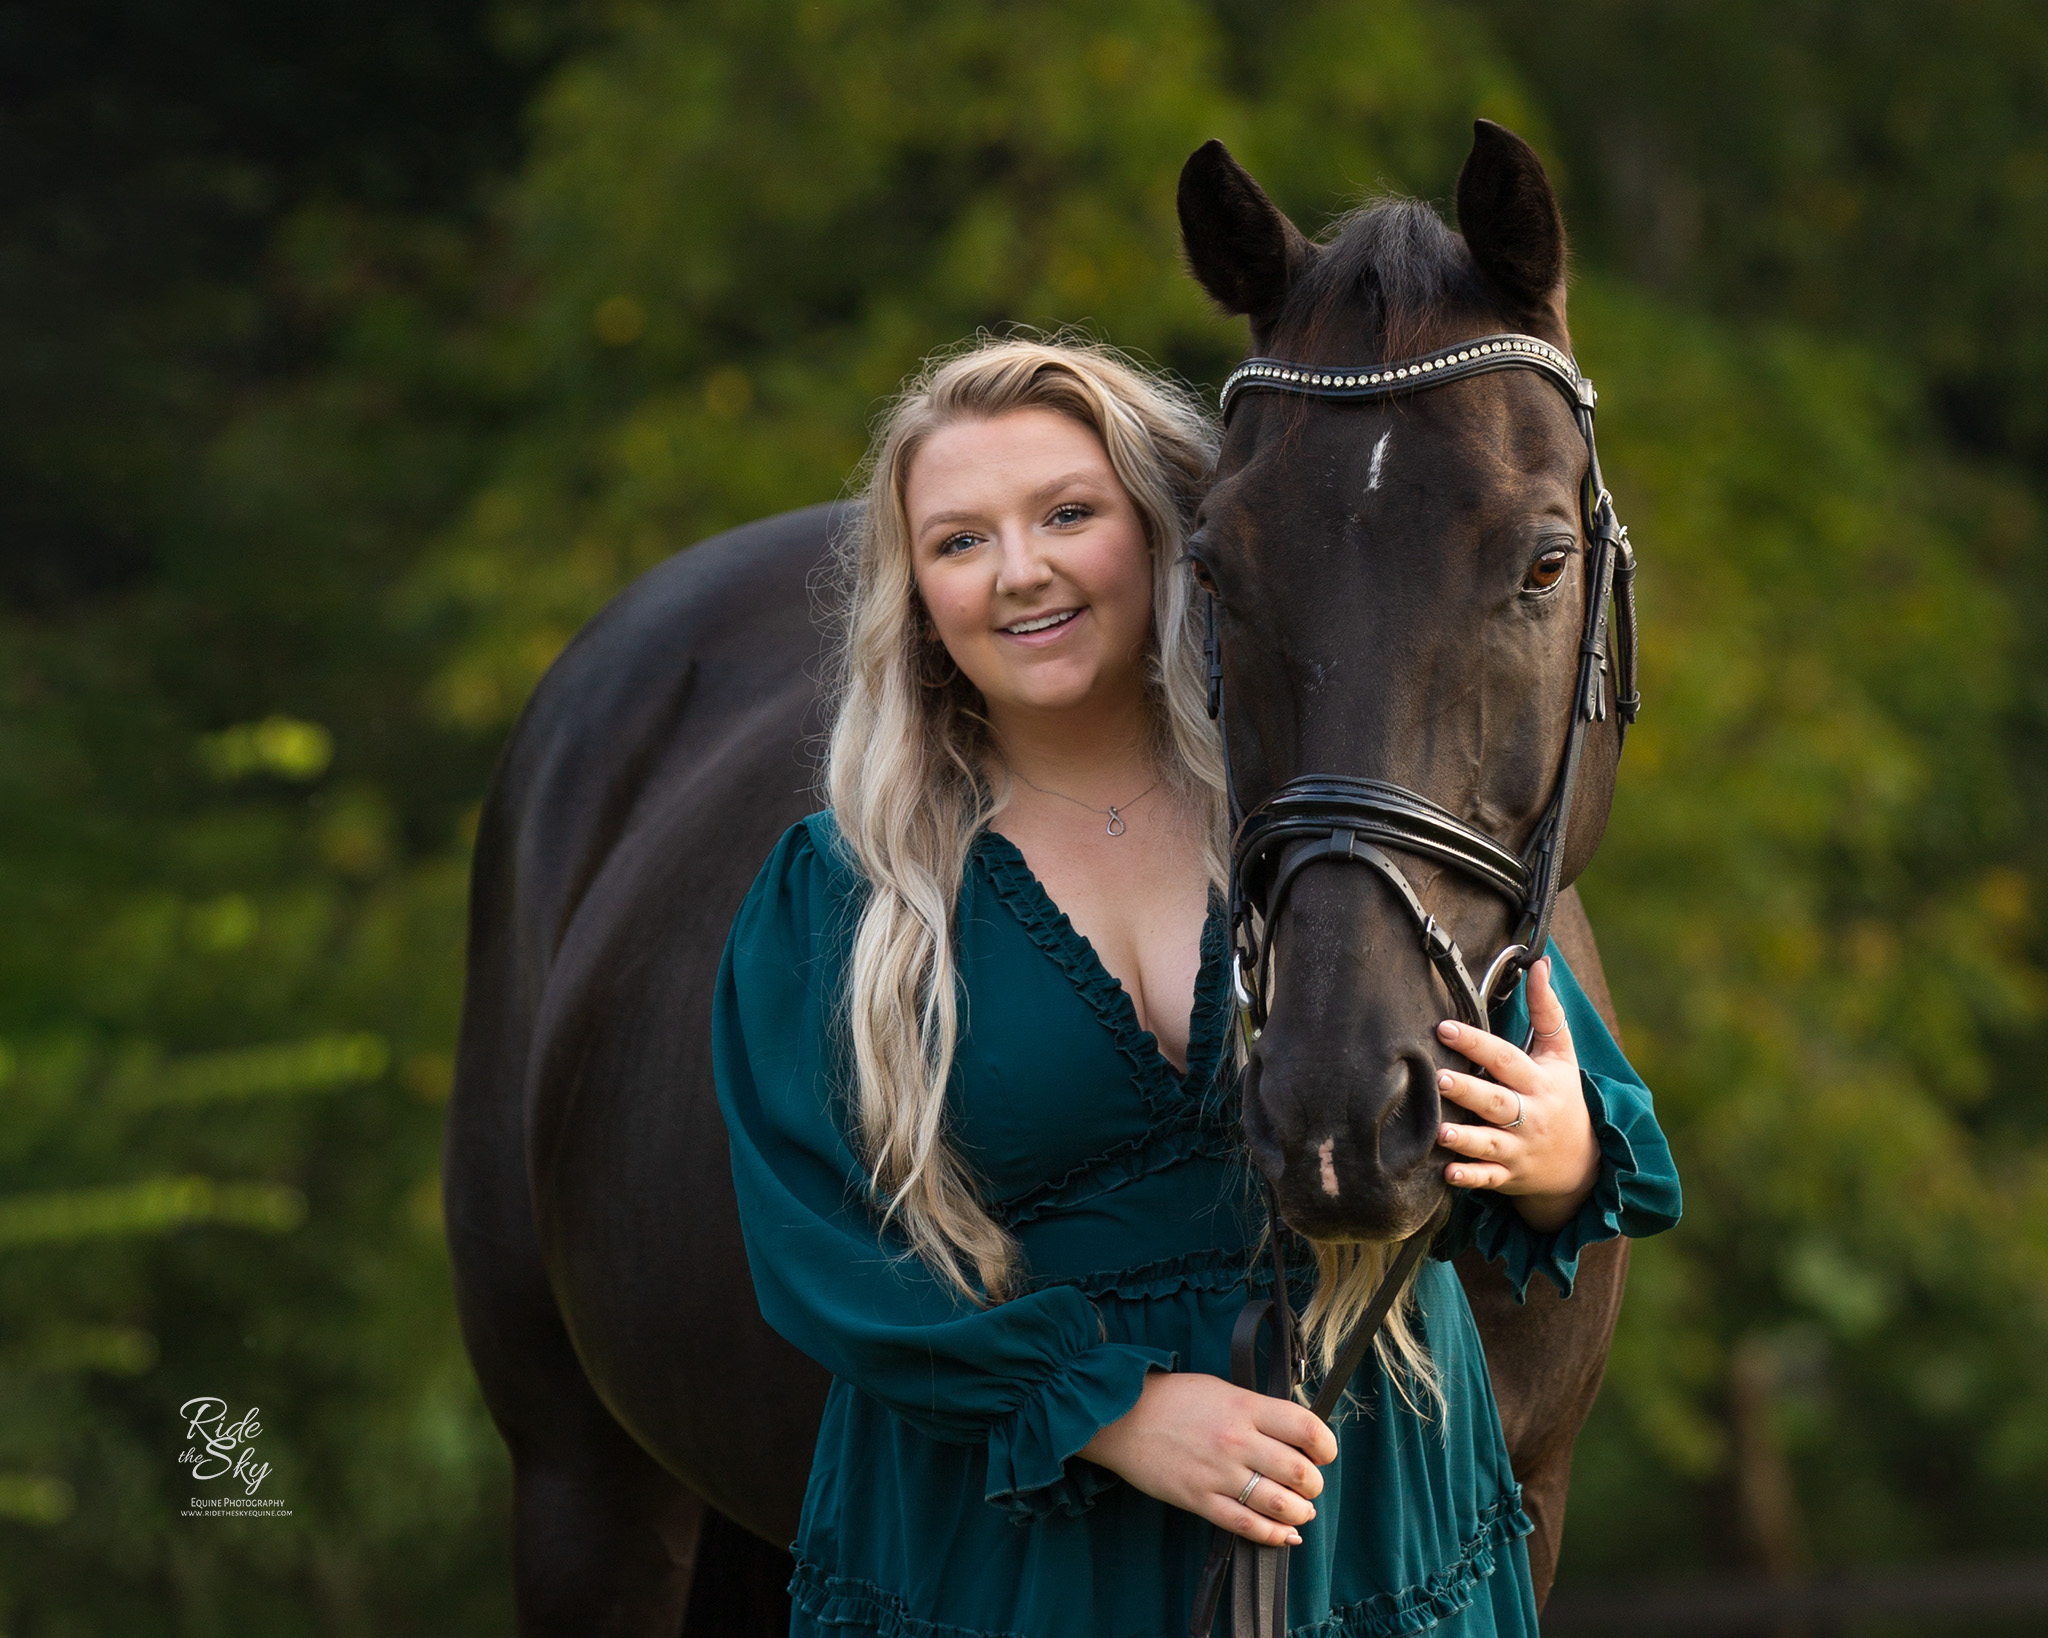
(1637,1191)
(1032,1378)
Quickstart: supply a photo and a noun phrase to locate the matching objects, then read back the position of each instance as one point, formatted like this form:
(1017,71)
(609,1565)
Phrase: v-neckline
(1050,928)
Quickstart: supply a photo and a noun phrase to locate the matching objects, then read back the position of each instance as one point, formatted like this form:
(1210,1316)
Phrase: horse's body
(601,1280)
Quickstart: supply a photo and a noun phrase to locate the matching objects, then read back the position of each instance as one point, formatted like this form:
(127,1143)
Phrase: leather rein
(1346,819)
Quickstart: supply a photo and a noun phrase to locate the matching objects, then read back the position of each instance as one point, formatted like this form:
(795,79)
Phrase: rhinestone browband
(1411,374)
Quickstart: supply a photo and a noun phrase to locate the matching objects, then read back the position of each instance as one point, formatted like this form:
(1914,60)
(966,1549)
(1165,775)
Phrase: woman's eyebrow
(1072,480)
(1038,497)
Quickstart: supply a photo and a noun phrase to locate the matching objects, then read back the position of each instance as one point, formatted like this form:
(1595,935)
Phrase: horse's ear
(1511,222)
(1239,245)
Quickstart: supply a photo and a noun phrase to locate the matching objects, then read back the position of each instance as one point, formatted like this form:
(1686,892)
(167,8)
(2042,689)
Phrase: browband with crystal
(1373,381)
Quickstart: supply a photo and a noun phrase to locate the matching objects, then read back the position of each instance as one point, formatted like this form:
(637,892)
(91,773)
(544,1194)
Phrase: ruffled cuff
(1626,1199)
(1034,1470)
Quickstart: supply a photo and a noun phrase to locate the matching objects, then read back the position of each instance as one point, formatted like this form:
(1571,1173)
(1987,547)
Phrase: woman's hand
(1549,1162)
(1195,1441)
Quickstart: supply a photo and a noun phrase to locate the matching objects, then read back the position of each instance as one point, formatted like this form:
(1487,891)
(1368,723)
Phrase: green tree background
(354,355)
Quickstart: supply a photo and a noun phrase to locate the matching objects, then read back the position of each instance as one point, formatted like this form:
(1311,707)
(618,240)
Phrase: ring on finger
(1244,1496)
(1521,1109)
(1546,1034)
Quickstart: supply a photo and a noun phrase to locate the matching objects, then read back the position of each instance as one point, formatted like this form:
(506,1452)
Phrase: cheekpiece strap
(1367,382)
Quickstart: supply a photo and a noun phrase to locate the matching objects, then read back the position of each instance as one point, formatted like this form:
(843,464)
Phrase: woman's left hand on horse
(1549,1162)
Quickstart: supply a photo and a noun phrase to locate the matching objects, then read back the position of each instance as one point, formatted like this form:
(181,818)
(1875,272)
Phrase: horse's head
(1401,590)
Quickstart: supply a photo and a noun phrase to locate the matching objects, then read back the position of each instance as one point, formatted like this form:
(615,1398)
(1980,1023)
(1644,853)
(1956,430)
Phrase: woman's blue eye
(1072,512)
(954,544)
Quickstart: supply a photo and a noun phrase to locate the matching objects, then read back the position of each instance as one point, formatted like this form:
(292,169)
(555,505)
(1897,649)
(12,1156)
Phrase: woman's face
(1032,562)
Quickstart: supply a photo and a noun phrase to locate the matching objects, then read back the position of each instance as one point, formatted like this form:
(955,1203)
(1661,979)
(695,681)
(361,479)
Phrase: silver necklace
(1116,818)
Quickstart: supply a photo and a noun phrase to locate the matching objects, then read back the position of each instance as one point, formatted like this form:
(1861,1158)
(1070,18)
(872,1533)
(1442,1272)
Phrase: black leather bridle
(1346,818)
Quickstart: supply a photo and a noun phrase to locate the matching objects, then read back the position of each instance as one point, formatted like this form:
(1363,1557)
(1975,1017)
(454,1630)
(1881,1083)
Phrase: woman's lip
(1044,634)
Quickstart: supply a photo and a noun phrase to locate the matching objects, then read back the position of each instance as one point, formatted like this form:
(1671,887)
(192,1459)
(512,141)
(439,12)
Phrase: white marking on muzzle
(1372,479)
(1329,1167)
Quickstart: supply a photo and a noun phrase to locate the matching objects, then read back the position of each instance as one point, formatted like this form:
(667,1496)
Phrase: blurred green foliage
(353,363)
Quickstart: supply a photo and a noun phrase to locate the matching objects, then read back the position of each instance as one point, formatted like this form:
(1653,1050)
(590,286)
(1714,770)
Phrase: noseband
(1349,819)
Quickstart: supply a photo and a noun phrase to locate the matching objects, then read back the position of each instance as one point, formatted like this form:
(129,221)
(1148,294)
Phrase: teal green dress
(946,1499)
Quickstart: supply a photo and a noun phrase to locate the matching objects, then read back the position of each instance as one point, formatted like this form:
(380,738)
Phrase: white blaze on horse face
(1372,478)
(1329,1166)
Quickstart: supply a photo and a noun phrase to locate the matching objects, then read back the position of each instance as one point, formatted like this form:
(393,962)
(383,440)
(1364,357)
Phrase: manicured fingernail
(1443,1081)
(1453,1174)
(1446,1133)
(1294,1538)
(1448,1030)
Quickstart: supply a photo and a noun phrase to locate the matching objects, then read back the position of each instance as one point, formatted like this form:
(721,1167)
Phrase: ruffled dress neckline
(1050,928)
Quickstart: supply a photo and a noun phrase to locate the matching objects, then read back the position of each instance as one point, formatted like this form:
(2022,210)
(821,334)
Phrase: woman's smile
(1038,630)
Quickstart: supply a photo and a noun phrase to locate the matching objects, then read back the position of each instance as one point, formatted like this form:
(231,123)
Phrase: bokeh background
(352,355)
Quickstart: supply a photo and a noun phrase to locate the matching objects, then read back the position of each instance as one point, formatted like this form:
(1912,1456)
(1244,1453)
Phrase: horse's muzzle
(1350,1156)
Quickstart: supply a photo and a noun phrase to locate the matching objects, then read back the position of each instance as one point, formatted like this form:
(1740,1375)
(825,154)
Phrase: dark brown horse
(1369,561)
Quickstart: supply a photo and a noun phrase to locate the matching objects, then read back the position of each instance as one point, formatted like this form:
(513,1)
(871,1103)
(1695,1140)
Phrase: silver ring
(1521,1109)
(1244,1496)
(1546,1034)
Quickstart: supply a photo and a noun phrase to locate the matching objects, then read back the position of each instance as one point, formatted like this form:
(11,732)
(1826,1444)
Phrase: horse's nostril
(1390,1116)
(1407,1126)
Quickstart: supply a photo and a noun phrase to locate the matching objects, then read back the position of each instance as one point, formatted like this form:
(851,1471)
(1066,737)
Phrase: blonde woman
(970,1037)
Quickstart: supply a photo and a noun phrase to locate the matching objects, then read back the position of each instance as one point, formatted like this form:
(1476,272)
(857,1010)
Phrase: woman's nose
(1023,568)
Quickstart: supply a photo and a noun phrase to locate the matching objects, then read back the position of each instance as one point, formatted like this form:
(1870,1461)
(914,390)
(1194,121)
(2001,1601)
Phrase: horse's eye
(1547,570)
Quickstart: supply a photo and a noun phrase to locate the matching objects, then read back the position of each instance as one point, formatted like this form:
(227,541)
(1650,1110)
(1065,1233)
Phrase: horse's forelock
(1392,268)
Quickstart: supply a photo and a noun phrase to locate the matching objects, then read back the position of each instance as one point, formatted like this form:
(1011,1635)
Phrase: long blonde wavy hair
(912,777)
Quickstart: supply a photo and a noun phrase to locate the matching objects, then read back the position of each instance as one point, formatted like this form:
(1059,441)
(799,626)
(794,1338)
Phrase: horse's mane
(1393,264)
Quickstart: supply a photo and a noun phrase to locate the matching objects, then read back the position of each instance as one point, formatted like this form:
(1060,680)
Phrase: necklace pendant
(1116,822)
